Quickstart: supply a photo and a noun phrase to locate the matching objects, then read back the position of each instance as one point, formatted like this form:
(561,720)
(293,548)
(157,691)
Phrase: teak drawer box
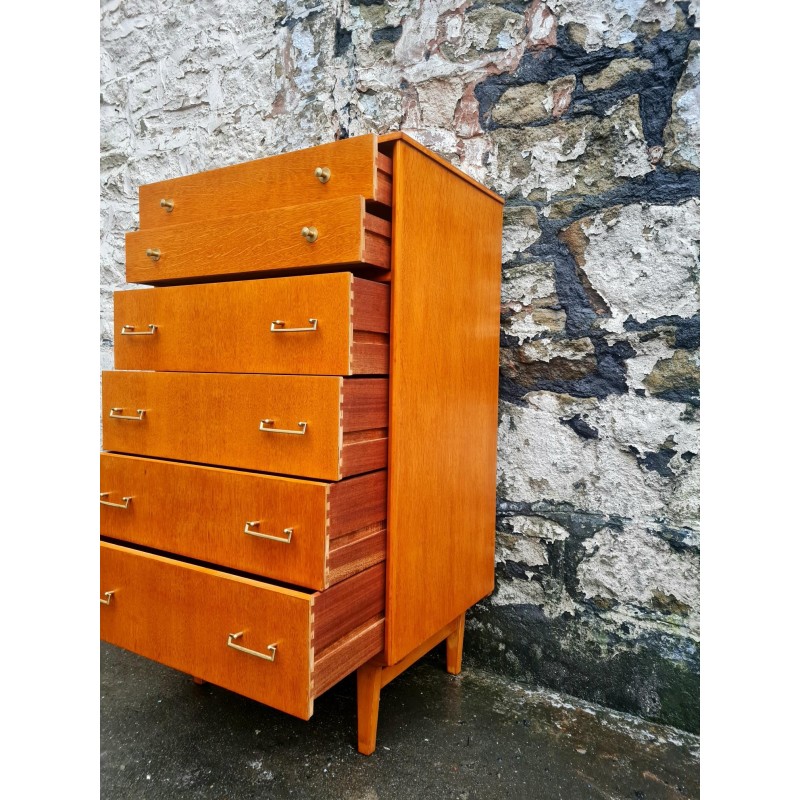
(310,426)
(332,324)
(194,619)
(307,237)
(319,533)
(348,167)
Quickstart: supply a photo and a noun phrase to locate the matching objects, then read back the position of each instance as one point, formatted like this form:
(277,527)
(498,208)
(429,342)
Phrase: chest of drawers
(299,436)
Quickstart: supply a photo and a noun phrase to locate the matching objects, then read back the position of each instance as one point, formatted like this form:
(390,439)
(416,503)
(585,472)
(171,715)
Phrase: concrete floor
(439,736)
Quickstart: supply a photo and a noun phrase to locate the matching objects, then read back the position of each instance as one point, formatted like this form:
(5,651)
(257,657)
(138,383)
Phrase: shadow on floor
(439,736)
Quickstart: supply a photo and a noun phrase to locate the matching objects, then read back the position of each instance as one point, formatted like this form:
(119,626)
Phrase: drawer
(295,645)
(315,427)
(299,238)
(300,532)
(332,324)
(354,168)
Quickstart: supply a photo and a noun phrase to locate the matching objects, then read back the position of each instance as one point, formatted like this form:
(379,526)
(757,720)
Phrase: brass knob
(310,234)
(168,204)
(154,254)
(323,174)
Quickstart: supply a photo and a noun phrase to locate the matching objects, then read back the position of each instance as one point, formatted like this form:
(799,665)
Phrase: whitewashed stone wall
(584,115)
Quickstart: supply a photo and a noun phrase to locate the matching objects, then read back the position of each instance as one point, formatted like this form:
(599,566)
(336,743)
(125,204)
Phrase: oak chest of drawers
(298,476)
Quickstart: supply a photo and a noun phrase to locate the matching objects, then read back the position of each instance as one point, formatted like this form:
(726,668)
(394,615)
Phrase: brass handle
(168,204)
(322,174)
(115,414)
(272,649)
(107,601)
(155,254)
(124,504)
(130,330)
(279,326)
(266,423)
(285,539)
(310,234)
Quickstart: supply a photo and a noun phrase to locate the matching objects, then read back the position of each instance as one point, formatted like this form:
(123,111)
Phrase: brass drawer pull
(124,504)
(322,174)
(267,423)
(273,648)
(285,539)
(168,204)
(107,601)
(130,330)
(279,326)
(310,234)
(116,413)
(155,254)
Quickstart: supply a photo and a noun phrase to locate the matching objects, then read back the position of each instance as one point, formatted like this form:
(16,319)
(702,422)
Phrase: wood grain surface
(180,615)
(281,180)
(200,513)
(443,398)
(259,243)
(228,327)
(214,418)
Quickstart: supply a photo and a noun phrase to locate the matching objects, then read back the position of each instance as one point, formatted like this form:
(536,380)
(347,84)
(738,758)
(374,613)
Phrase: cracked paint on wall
(584,115)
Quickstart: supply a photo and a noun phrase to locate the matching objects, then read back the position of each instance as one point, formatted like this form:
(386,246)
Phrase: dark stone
(657,461)
(688,456)
(581,427)
(387,34)
(655,676)
(343,41)
(686,331)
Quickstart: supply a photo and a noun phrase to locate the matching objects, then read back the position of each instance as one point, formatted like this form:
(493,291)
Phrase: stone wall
(584,115)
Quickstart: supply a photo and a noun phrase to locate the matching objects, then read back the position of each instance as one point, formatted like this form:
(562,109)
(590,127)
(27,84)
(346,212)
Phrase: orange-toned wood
(214,418)
(348,654)
(455,647)
(201,512)
(197,681)
(259,243)
(280,180)
(443,397)
(347,605)
(228,327)
(374,675)
(368,691)
(388,141)
(180,615)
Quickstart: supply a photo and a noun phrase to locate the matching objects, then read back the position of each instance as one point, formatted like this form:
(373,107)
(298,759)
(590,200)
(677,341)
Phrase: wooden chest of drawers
(300,433)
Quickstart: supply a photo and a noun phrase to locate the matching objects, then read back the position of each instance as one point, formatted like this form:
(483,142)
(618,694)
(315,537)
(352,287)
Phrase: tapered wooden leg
(455,647)
(368,684)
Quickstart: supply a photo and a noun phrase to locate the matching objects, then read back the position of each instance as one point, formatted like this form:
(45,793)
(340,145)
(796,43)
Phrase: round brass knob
(154,254)
(323,174)
(310,234)
(168,204)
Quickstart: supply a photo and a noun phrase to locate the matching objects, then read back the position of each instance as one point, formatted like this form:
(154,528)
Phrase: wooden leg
(368,687)
(455,647)
(198,681)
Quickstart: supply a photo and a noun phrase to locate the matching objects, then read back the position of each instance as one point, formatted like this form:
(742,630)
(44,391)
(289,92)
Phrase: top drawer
(347,167)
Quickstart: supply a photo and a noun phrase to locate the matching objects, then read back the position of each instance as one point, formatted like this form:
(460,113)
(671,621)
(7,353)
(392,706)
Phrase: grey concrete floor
(470,736)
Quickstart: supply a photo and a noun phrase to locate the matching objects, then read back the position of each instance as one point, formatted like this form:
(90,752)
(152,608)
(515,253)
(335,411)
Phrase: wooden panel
(200,513)
(281,180)
(180,615)
(227,327)
(346,655)
(443,398)
(259,243)
(212,418)
(347,605)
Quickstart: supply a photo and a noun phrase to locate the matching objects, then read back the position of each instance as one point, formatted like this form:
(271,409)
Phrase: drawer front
(354,165)
(326,234)
(300,532)
(331,324)
(183,615)
(309,426)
